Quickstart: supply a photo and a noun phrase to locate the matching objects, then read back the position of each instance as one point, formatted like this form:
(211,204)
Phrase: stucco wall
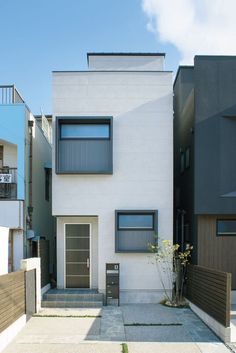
(141,105)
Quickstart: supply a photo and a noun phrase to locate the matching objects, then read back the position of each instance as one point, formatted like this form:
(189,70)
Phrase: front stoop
(72,298)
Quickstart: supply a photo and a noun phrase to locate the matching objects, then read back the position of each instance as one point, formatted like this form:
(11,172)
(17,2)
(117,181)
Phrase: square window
(134,230)
(84,145)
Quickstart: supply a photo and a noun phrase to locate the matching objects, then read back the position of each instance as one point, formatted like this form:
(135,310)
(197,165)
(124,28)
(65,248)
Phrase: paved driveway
(147,328)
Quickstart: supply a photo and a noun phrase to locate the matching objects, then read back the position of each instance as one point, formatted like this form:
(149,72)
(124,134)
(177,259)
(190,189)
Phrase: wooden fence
(13,296)
(210,290)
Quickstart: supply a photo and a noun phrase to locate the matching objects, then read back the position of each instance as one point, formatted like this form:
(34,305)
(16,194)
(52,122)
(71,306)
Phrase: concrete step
(73,297)
(71,304)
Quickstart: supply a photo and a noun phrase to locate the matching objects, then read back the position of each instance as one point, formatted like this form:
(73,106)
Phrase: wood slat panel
(210,290)
(12,298)
(216,252)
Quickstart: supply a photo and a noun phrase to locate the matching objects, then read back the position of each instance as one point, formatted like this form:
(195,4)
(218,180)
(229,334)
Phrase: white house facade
(112,173)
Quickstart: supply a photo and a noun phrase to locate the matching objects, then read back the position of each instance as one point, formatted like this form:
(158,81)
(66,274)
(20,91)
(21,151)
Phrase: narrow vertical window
(47,184)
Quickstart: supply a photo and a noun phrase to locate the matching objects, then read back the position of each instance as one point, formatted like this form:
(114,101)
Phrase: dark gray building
(205,160)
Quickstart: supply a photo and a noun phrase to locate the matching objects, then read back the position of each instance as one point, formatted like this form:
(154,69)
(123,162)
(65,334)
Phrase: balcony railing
(8,183)
(10,95)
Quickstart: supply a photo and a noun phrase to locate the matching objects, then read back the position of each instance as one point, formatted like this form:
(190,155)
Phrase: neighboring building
(205,162)
(112,171)
(25,183)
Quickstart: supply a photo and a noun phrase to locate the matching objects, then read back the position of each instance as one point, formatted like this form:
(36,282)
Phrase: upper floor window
(84,145)
(85,131)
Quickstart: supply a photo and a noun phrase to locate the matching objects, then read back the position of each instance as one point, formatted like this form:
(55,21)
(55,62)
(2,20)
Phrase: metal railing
(8,183)
(10,95)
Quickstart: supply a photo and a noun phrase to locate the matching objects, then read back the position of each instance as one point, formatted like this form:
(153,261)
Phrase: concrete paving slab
(163,348)
(70,312)
(212,347)
(149,313)
(61,326)
(112,325)
(157,334)
(65,348)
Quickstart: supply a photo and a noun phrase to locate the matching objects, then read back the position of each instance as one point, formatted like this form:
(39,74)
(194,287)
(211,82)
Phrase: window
(135,221)
(182,162)
(47,184)
(85,131)
(134,230)
(84,145)
(226,227)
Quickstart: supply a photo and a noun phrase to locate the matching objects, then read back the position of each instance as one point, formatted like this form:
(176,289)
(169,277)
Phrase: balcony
(10,95)
(8,183)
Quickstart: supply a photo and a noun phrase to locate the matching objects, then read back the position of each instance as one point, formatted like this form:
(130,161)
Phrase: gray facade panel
(215,131)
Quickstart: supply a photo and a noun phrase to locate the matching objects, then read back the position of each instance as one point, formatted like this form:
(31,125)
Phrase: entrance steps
(72,298)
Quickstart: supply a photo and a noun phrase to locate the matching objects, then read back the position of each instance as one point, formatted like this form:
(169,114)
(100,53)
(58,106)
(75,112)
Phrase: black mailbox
(113,282)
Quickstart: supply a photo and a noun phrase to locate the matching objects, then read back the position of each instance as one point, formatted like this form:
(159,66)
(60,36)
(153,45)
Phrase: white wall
(126,62)
(18,248)
(141,104)
(11,214)
(4,234)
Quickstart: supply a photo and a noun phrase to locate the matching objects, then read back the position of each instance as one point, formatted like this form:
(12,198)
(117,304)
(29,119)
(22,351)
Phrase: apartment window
(47,184)
(226,227)
(135,230)
(182,162)
(85,131)
(84,145)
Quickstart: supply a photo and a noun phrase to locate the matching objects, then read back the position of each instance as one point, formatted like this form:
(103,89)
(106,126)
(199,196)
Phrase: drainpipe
(182,214)
(30,207)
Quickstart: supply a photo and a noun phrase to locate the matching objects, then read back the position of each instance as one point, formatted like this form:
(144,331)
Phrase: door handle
(88,263)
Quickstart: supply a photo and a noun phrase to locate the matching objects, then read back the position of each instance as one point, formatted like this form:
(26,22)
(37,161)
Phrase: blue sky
(44,35)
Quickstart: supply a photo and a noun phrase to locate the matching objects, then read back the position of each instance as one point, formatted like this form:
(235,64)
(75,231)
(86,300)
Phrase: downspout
(30,207)
(183,212)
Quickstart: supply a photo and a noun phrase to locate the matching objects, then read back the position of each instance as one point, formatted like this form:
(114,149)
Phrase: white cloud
(194,26)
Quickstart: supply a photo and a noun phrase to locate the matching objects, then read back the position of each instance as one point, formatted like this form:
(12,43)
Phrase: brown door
(77,255)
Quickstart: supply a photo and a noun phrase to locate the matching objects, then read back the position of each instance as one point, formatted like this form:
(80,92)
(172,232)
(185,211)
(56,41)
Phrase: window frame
(225,234)
(74,119)
(135,212)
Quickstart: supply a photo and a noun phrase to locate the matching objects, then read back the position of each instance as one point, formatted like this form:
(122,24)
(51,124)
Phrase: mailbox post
(113,282)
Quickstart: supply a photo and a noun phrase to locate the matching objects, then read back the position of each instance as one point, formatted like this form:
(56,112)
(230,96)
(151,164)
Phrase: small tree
(171,266)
